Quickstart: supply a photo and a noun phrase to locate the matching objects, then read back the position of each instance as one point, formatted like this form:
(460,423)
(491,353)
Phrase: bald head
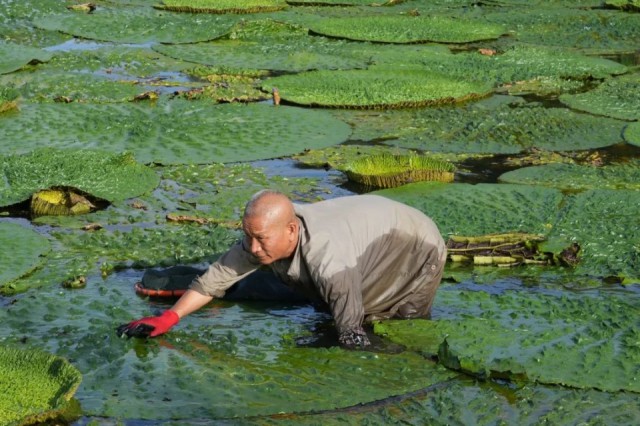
(270,226)
(271,205)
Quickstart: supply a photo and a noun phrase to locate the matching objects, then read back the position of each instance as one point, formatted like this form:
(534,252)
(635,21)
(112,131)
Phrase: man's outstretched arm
(190,301)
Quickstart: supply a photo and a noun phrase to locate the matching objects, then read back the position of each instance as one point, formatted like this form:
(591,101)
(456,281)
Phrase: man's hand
(354,339)
(149,326)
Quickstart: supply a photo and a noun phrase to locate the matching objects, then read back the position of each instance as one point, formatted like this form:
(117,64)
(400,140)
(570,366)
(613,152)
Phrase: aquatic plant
(108,177)
(8,99)
(221,6)
(407,29)
(572,340)
(616,97)
(14,56)
(629,5)
(578,177)
(138,25)
(498,249)
(632,134)
(164,132)
(389,171)
(375,88)
(35,385)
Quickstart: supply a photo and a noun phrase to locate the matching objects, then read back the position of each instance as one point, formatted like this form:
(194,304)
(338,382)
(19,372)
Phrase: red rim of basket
(157,292)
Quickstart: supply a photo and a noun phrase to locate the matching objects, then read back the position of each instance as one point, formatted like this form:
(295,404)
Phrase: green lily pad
(138,25)
(35,385)
(632,134)
(473,210)
(23,251)
(374,88)
(222,6)
(616,97)
(577,177)
(273,56)
(504,125)
(592,31)
(109,177)
(606,225)
(344,2)
(165,132)
(574,340)
(407,29)
(13,57)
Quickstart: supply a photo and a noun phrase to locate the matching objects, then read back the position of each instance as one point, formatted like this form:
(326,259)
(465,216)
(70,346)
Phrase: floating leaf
(496,125)
(13,57)
(616,97)
(35,385)
(22,251)
(574,340)
(407,29)
(138,25)
(573,176)
(222,6)
(106,176)
(630,5)
(374,88)
(165,133)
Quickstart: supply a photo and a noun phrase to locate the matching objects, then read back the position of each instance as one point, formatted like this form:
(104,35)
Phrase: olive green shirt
(364,255)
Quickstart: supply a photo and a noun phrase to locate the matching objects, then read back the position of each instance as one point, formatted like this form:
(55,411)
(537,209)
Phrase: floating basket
(390,171)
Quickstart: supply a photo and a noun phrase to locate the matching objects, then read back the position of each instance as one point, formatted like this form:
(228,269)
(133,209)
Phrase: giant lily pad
(222,6)
(616,97)
(575,340)
(374,88)
(35,385)
(496,125)
(630,5)
(22,251)
(606,225)
(165,133)
(109,177)
(13,57)
(138,25)
(407,29)
(592,31)
(275,56)
(573,176)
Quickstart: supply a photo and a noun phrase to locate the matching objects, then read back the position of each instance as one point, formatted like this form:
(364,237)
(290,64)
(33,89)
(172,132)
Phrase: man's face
(267,240)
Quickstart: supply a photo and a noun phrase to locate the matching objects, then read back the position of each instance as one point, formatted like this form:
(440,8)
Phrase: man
(367,257)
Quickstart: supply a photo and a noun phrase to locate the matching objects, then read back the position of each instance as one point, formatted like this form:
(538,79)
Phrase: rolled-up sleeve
(230,268)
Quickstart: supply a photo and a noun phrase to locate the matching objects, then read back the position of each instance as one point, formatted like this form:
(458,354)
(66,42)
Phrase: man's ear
(292,228)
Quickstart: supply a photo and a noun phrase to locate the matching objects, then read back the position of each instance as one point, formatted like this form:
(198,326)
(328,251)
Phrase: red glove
(149,326)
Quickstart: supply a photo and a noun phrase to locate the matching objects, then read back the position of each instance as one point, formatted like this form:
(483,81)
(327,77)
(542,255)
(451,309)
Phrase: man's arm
(190,302)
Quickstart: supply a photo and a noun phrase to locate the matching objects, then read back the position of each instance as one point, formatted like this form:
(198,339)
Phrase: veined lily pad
(222,6)
(139,25)
(606,225)
(35,385)
(574,340)
(13,57)
(22,251)
(496,125)
(277,56)
(592,31)
(109,177)
(165,133)
(374,88)
(344,2)
(407,29)
(573,176)
(632,134)
(616,97)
